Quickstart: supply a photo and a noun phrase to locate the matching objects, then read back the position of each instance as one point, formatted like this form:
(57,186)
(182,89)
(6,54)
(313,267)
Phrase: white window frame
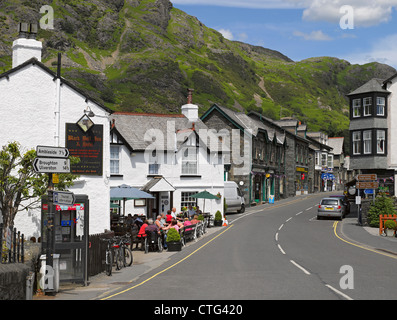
(187,200)
(367,104)
(367,141)
(324,159)
(380,106)
(330,161)
(189,160)
(378,139)
(356,142)
(317,157)
(356,108)
(115,160)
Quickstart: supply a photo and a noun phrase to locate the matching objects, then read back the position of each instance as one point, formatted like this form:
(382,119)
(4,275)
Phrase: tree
(21,187)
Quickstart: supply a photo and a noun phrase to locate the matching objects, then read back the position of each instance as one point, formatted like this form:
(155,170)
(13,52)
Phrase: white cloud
(226,33)
(313,36)
(383,51)
(365,12)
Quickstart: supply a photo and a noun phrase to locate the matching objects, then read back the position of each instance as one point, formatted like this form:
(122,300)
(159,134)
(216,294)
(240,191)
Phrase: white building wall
(135,174)
(27,104)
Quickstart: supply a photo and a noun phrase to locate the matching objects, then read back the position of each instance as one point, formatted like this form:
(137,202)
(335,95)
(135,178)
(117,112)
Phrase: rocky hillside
(142,55)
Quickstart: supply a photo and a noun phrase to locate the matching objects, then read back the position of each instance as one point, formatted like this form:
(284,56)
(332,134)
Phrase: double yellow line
(335,225)
(170,267)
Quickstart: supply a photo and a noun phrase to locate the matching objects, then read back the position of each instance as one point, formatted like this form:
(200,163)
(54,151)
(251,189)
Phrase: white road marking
(281,249)
(300,267)
(288,219)
(338,292)
(281,227)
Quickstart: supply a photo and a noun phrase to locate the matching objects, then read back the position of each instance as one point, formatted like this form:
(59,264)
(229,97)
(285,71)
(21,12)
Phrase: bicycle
(109,256)
(127,253)
(118,253)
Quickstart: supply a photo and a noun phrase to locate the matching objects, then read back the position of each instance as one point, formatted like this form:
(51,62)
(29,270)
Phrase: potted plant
(174,240)
(390,227)
(218,219)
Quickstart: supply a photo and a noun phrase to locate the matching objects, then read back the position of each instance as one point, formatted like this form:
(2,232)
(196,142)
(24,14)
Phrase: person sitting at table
(190,211)
(159,222)
(195,219)
(141,235)
(187,223)
(152,227)
(168,217)
(174,224)
(198,211)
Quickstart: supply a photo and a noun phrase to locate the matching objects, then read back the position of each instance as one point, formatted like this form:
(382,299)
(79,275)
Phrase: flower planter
(389,232)
(174,246)
(217,223)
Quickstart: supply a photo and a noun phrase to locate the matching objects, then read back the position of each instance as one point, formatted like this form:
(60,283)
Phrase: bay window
(367,137)
(356,142)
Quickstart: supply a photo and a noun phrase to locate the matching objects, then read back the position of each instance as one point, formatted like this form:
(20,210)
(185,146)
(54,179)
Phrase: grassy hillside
(142,55)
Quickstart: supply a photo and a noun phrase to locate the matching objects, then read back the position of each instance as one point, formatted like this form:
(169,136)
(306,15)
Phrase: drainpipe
(58,103)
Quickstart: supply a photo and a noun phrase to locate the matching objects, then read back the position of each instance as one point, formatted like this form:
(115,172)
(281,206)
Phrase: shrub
(390,224)
(173,235)
(383,205)
(218,216)
(200,217)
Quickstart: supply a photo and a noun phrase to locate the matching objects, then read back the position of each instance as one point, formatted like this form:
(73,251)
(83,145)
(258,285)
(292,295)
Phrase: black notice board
(88,147)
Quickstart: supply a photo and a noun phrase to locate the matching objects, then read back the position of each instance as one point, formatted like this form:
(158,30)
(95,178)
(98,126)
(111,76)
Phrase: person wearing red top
(142,234)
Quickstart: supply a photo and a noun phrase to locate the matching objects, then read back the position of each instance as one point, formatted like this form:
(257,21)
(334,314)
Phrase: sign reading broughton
(86,146)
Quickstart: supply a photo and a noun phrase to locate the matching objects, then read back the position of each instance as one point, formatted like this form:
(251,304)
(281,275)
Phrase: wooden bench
(189,233)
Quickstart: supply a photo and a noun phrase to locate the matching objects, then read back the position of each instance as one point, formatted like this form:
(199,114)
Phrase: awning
(158,184)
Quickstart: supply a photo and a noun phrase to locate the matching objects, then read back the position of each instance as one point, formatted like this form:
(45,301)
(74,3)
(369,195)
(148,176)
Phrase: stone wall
(13,281)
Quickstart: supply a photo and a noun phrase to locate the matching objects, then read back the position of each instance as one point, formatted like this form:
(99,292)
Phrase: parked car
(331,207)
(234,197)
(345,201)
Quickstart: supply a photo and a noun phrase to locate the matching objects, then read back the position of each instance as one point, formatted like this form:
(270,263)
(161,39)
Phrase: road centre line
(281,227)
(170,267)
(309,208)
(338,292)
(288,219)
(300,267)
(281,249)
(276,236)
(299,213)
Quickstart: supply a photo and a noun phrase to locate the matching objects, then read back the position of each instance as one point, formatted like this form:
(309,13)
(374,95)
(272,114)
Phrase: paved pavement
(102,285)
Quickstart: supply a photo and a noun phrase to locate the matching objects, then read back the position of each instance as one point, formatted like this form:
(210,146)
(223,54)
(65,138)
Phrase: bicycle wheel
(119,260)
(146,244)
(109,263)
(128,258)
(160,244)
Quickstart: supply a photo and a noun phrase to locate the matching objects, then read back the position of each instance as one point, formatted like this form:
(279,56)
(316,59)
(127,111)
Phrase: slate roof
(336,144)
(373,85)
(133,127)
(34,61)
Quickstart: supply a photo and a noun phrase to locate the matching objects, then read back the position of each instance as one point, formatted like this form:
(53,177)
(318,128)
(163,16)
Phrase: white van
(234,197)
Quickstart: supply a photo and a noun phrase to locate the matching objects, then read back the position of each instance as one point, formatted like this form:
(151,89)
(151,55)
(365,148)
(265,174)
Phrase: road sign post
(53,160)
(365,182)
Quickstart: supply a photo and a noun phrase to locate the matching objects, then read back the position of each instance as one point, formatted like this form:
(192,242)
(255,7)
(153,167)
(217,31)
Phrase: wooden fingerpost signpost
(53,160)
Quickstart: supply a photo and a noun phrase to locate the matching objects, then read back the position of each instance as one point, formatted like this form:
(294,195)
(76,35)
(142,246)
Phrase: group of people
(161,225)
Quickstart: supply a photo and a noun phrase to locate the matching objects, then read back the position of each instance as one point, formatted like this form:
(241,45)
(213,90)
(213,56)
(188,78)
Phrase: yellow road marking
(360,246)
(170,267)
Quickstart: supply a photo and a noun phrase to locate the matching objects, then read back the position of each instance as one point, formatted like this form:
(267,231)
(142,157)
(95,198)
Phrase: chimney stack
(190,110)
(26,46)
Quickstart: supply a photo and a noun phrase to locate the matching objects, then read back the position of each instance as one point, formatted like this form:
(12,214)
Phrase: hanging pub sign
(88,146)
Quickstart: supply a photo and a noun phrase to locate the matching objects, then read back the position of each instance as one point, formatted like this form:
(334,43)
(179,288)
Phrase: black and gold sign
(88,146)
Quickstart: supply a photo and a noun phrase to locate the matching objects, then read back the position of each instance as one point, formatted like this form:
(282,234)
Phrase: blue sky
(362,32)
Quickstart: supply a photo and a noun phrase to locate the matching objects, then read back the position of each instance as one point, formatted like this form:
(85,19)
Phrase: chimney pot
(190,96)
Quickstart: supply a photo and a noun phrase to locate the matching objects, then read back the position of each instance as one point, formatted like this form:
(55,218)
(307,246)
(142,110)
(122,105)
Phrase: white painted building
(38,107)
(167,156)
